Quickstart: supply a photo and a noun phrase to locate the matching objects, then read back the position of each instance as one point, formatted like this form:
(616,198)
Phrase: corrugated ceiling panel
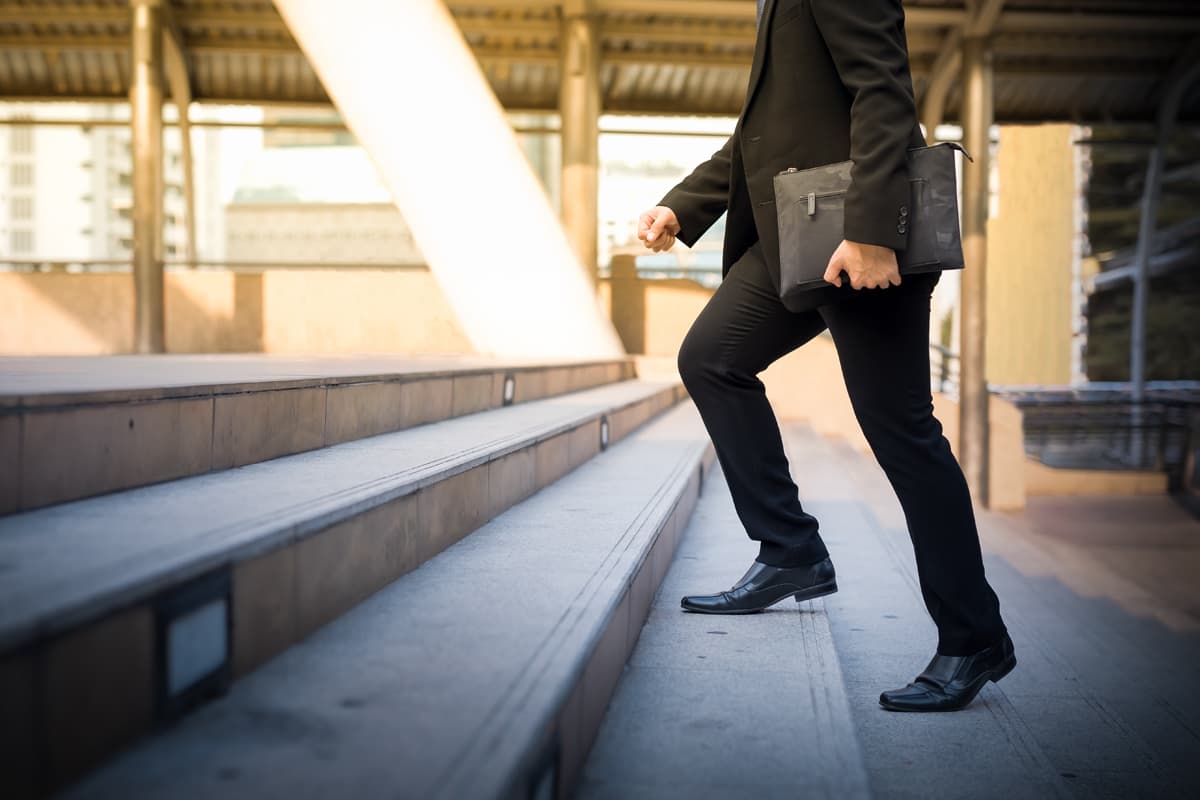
(656,60)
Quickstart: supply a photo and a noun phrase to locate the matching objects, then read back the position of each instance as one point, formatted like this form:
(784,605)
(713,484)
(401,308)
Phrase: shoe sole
(994,676)
(811,593)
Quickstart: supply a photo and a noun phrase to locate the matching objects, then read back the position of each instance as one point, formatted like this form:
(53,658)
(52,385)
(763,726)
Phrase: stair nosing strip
(483,744)
(60,400)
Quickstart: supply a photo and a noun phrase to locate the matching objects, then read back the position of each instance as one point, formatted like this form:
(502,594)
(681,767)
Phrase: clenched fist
(869,266)
(657,228)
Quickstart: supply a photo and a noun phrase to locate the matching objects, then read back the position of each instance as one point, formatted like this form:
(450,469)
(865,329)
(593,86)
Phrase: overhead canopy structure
(1069,60)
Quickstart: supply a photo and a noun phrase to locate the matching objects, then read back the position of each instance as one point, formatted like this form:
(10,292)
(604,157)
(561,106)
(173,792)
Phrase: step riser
(579,720)
(56,449)
(555,756)
(81,695)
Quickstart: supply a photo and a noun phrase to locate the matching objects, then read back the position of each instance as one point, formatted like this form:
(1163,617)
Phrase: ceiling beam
(949,62)
(102,43)
(664,22)
(1053,57)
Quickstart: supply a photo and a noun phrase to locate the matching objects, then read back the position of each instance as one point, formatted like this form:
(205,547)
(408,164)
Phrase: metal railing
(944,366)
(1098,427)
(84,266)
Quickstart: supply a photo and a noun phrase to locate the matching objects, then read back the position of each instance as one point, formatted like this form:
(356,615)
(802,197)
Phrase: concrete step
(1065,722)
(119,610)
(721,707)
(79,427)
(884,637)
(482,674)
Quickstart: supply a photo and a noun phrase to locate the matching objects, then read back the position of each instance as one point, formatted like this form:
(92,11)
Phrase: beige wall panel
(281,311)
(1030,240)
(369,311)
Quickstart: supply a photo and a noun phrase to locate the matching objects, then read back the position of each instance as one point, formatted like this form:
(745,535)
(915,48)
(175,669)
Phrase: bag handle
(955,145)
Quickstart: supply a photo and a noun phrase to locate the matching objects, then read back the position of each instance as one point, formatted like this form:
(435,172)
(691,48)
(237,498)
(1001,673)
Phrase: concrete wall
(275,311)
(1030,257)
(1043,480)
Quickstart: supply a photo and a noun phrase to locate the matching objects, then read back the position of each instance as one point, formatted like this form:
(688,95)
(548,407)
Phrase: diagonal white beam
(406,82)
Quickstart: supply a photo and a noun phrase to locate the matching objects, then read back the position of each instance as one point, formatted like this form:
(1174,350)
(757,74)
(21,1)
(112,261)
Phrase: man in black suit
(830,81)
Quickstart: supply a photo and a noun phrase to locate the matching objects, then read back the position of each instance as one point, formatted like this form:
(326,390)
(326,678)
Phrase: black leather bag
(810,204)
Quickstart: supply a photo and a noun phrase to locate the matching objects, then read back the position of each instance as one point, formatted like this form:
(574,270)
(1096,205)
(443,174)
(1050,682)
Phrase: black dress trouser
(882,341)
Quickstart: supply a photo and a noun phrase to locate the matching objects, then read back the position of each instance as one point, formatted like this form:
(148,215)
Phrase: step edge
(276,531)
(188,461)
(487,778)
(19,402)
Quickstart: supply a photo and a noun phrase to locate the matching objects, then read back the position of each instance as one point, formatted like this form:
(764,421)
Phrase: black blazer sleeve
(867,43)
(700,198)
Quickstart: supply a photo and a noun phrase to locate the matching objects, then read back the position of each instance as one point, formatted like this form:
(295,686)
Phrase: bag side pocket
(934,240)
(810,229)
(922,227)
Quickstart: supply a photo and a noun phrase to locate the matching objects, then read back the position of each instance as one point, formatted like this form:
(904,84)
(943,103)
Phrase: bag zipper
(812,196)
(954,145)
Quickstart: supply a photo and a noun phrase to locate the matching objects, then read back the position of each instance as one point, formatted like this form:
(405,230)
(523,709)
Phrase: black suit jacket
(829,81)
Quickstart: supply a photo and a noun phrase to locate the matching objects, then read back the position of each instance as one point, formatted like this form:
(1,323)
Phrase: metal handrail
(124,265)
(1102,427)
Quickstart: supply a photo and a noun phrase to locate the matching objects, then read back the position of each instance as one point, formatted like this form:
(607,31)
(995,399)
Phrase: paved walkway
(1103,702)
(1143,553)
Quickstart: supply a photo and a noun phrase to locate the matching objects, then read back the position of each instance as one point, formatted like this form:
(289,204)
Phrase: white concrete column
(409,87)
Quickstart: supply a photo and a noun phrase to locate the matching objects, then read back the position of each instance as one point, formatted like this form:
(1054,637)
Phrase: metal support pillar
(146,99)
(945,70)
(981,20)
(1168,111)
(978,113)
(1183,76)
(579,107)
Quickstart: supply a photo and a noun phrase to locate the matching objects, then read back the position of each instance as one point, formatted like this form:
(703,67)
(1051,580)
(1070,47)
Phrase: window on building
(20,242)
(20,208)
(20,140)
(22,174)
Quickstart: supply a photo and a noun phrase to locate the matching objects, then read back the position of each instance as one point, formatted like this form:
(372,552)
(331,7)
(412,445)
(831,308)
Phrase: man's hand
(869,266)
(657,228)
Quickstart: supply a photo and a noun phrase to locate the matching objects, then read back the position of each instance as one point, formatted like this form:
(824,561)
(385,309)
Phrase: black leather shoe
(764,585)
(951,682)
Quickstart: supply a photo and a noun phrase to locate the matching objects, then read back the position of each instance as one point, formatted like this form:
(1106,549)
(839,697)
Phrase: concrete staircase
(128,421)
(486,606)
(554,495)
